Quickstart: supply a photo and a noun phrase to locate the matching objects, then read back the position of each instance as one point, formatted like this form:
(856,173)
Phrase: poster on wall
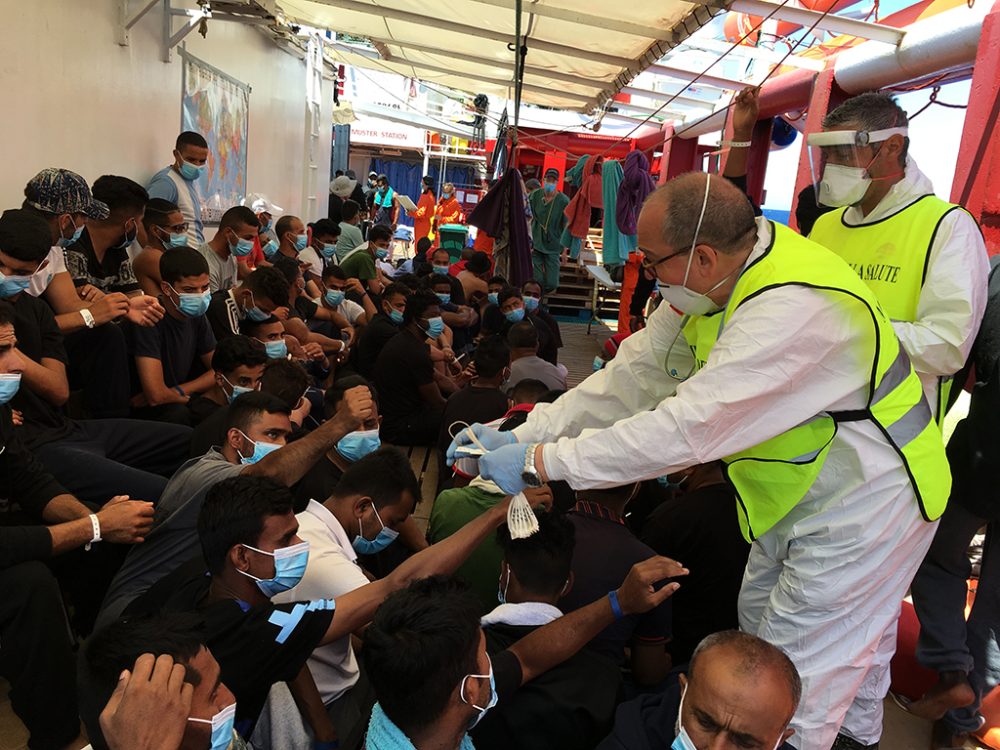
(217,106)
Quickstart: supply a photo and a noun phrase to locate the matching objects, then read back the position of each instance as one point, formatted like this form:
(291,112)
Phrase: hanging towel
(503,215)
(636,186)
(616,245)
(589,196)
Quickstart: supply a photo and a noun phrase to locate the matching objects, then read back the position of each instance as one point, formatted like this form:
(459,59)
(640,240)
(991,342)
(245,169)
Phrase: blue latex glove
(490,438)
(504,467)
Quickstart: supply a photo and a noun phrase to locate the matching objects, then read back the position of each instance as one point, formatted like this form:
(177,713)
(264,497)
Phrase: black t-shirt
(179,344)
(471,405)
(211,432)
(38,337)
(256,646)
(570,707)
(702,529)
(305,307)
(224,315)
(401,368)
(317,484)
(373,339)
(113,273)
(605,552)
(201,408)
(553,341)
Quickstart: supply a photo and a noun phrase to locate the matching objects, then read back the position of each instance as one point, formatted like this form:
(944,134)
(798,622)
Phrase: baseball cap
(552,172)
(59,191)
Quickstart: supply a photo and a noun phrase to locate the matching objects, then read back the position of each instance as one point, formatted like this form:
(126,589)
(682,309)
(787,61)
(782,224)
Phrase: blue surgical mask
(191,172)
(502,588)
(260,449)
(334,297)
(176,240)
(241,248)
(289,567)
(301,240)
(396,316)
(356,445)
(270,248)
(494,298)
(370,546)
(531,303)
(194,304)
(222,727)
(257,315)
(550,187)
(9,383)
(381,253)
(515,316)
(435,327)
(443,270)
(276,349)
(328,250)
(667,484)
(12,285)
(237,390)
(445,298)
(493,694)
(67,241)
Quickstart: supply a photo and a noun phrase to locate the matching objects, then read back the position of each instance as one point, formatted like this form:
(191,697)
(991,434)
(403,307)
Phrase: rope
(934,100)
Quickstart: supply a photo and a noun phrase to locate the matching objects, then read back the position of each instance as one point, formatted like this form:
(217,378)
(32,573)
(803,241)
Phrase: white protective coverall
(826,582)
(953,297)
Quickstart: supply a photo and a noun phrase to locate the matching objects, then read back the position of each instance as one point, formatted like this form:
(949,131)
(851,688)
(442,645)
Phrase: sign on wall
(217,106)
(378,132)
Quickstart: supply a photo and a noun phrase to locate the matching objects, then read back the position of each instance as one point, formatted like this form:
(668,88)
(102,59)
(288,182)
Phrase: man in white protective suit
(773,356)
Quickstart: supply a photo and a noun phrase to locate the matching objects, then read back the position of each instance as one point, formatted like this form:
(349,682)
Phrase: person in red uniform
(424,214)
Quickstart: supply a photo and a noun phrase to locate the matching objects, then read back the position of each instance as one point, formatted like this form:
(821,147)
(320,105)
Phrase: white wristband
(96,525)
(737,144)
(88,318)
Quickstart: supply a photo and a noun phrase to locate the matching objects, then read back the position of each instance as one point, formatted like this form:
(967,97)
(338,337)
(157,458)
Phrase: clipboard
(405,202)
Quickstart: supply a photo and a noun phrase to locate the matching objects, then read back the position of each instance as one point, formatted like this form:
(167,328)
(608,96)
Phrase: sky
(934,140)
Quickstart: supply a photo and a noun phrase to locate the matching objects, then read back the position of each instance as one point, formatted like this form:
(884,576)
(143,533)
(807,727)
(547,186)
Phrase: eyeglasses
(648,265)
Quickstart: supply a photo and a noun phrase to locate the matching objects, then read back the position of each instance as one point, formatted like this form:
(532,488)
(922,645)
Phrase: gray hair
(756,655)
(729,225)
(873,110)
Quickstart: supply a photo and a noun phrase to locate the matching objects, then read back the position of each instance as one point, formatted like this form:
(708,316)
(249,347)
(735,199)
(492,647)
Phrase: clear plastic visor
(844,148)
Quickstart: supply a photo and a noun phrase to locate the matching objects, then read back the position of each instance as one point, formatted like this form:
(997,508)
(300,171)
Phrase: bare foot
(951,691)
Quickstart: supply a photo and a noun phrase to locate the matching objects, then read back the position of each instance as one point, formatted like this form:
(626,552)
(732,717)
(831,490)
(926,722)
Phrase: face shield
(839,162)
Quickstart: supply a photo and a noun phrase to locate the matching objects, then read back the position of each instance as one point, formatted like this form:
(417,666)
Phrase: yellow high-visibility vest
(771,478)
(891,256)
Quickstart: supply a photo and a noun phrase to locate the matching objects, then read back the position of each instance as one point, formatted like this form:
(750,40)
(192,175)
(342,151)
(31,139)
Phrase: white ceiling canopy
(580,52)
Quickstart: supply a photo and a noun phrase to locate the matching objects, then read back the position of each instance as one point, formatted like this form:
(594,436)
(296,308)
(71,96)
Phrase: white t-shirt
(315,262)
(348,308)
(222,274)
(332,571)
(41,278)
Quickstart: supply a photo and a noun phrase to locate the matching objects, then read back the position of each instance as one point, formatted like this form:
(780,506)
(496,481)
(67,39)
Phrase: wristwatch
(88,318)
(530,475)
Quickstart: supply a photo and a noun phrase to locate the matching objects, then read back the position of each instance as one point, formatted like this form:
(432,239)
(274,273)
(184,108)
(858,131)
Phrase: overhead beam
(547,91)
(688,76)
(757,53)
(437,24)
(830,22)
(662,96)
(505,64)
(636,121)
(652,111)
(586,19)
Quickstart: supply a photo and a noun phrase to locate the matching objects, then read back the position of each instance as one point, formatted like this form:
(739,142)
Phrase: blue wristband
(616,608)
(180,391)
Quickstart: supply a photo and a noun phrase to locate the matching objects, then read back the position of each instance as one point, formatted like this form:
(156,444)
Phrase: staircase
(574,297)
